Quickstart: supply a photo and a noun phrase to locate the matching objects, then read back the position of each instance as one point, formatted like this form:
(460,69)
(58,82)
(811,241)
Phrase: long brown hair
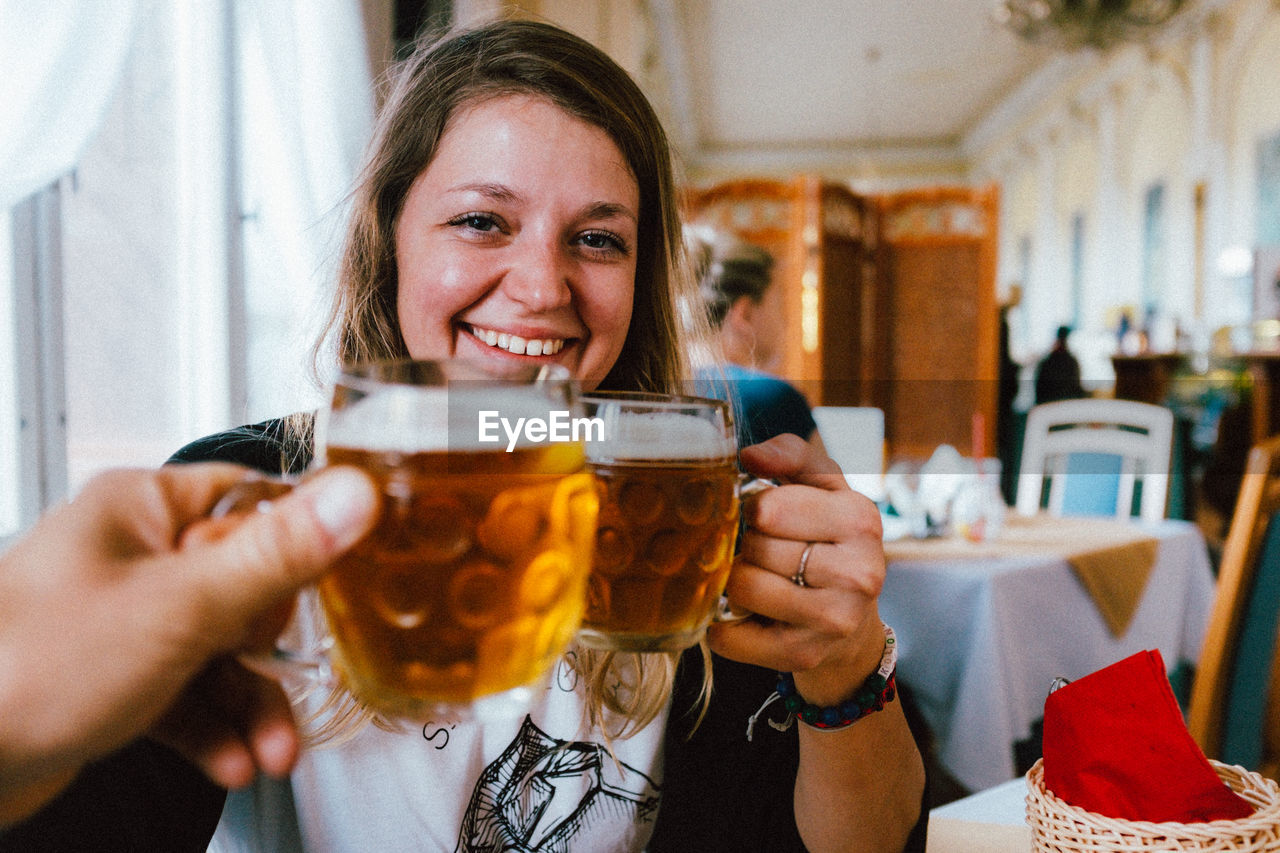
(668,331)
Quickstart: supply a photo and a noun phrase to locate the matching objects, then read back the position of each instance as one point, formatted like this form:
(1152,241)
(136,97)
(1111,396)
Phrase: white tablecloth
(982,638)
(990,821)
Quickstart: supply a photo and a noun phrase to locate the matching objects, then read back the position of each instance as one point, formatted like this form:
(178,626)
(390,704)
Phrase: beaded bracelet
(879,689)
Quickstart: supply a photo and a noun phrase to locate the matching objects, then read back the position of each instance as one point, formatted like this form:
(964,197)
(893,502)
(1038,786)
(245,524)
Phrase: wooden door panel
(933,340)
(889,300)
(938,271)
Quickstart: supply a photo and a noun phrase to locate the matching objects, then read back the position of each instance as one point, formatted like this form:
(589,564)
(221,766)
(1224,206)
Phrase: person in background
(1058,373)
(118,616)
(744,306)
(1006,392)
(519,207)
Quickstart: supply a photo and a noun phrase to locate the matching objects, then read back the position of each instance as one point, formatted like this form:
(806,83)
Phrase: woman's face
(516,244)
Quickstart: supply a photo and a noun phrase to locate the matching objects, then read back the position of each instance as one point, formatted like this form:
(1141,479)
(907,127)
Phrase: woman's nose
(539,278)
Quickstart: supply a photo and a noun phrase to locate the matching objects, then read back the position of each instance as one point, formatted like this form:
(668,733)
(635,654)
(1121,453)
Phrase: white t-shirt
(526,778)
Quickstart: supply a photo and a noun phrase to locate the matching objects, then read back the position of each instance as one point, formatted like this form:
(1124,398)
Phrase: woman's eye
(475,221)
(603,241)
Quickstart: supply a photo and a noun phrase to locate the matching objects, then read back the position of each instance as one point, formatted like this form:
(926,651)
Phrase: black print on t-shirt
(432,731)
(544,794)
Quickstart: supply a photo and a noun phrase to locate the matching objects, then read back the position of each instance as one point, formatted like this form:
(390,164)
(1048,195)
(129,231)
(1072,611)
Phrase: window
(1077,269)
(1269,191)
(135,329)
(122,249)
(1153,247)
(1024,259)
(32,432)
(10,418)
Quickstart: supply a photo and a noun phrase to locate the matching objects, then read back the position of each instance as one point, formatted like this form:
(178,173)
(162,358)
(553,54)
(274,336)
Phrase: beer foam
(416,420)
(659,435)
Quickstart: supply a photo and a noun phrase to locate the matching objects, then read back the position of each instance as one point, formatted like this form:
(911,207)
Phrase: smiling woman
(519,208)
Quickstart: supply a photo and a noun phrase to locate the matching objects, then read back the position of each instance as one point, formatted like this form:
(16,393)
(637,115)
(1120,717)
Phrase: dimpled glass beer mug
(472,582)
(666,470)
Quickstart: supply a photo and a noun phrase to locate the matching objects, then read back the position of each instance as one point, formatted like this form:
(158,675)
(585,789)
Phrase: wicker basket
(1057,827)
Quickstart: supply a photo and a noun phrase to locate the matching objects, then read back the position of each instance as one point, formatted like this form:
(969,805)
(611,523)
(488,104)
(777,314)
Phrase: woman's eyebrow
(497,192)
(504,193)
(608,210)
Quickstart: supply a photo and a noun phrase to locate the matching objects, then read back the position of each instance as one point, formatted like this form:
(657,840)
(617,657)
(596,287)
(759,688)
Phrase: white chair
(1138,437)
(854,438)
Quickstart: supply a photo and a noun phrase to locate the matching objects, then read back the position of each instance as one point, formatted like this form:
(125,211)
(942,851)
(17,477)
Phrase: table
(990,821)
(982,633)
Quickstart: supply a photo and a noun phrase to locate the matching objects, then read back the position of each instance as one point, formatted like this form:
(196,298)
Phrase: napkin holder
(1058,827)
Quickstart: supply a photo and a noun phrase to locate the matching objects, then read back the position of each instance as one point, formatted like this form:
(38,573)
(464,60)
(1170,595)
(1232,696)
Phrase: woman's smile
(516,344)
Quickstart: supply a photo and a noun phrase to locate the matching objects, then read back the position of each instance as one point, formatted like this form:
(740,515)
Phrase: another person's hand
(111,623)
(828,632)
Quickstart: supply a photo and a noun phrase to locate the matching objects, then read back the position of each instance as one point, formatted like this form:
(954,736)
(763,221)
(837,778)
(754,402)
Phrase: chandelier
(1085,23)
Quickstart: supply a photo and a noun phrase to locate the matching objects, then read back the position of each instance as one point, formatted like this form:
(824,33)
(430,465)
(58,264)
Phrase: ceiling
(818,83)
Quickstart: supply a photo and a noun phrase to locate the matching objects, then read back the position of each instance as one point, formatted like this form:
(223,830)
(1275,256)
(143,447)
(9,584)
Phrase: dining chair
(1094,456)
(1234,713)
(854,438)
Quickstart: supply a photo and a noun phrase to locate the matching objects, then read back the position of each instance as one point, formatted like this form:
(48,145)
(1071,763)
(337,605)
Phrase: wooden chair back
(1234,713)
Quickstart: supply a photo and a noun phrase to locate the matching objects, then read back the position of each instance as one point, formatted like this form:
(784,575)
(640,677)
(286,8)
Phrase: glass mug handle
(748,485)
(253,494)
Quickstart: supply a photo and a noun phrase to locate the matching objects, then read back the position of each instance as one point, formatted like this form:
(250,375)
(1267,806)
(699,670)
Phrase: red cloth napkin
(1115,743)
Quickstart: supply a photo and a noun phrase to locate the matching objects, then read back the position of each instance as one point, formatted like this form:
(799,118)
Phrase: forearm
(859,788)
(33,765)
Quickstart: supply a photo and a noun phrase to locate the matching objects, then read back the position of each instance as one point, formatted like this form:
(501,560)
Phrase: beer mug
(666,470)
(472,582)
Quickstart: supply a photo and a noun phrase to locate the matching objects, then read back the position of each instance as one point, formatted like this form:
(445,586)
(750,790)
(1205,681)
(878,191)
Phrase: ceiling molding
(732,102)
(1011,116)
(1086,75)
(829,159)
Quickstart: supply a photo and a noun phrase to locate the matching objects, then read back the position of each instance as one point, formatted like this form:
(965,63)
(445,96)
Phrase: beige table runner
(1112,559)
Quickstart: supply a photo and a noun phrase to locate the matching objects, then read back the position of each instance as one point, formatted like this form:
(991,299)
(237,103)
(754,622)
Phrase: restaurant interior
(942,187)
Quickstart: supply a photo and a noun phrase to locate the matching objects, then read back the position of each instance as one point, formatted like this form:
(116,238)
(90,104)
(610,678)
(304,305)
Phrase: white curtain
(307,92)
(60,61)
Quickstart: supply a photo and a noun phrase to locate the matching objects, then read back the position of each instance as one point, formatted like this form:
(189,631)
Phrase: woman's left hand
(827,631)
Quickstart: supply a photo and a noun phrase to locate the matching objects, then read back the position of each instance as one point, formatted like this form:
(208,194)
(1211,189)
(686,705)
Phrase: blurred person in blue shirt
(744,307)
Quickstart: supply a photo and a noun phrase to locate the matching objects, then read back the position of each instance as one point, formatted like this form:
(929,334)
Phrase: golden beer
(473,580)
(668,482)
(664,546)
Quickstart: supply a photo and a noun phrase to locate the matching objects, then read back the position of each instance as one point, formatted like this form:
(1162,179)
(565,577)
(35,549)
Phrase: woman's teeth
(518,345)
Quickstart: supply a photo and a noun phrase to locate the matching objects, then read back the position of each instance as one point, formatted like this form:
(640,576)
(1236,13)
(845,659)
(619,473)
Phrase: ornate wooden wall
(889,300)
(937,267)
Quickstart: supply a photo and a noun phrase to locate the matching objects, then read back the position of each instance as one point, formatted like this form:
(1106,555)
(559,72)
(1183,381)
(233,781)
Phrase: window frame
(39,359)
